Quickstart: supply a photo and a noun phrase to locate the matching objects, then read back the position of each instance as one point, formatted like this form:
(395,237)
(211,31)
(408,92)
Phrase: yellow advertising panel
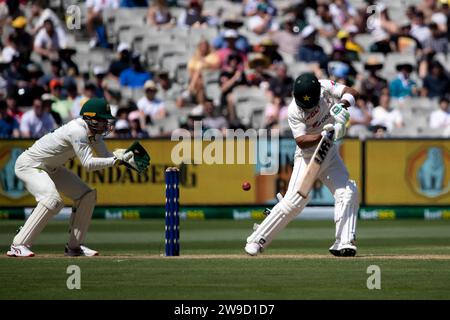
(409,172)
(200,182)
(351,153)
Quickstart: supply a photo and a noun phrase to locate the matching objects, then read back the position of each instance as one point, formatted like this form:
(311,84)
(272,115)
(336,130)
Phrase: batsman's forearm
(308,140)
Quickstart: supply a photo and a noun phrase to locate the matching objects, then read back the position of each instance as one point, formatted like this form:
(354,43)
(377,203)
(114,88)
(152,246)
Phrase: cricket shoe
(253,248)
(334,249)
(81,251)
(348,249)
(20,251)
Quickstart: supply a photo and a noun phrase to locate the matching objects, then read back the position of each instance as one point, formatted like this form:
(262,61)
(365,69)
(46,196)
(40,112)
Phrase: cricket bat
(312,170)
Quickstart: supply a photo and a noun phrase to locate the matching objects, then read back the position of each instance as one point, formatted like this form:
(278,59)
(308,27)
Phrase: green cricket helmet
(307,91)
(97,114)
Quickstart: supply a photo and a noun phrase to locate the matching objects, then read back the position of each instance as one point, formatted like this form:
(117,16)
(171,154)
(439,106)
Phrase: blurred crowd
(263,45)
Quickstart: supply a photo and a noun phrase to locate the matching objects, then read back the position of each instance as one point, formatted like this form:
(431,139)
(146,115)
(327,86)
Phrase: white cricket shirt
(69,141)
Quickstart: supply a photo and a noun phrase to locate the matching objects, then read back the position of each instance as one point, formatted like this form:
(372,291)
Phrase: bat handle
(330,134)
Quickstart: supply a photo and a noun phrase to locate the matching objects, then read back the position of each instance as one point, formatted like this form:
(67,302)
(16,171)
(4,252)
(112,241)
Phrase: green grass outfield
(414,257)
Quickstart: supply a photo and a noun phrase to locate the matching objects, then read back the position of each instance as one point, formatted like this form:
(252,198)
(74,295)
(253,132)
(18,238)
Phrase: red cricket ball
(246,186)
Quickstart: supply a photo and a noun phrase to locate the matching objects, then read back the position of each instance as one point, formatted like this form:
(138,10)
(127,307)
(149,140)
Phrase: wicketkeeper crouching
(41,168)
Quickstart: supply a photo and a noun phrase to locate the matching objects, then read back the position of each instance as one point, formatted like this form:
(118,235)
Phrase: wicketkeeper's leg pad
(81,218)
(281,214)
(41,215)
(346,212)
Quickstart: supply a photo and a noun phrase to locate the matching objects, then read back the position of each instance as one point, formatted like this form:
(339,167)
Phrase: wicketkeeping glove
(339,113)
(135,157)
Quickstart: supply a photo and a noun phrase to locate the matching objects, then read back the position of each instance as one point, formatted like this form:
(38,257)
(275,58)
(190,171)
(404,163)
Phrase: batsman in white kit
(317,117)
(41,168)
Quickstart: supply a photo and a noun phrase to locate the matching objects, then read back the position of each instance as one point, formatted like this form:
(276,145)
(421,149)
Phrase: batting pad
(37,221)
(283,213)
(346,212)
(81,218)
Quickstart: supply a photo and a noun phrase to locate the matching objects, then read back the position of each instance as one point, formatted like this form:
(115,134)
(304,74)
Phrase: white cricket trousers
(50,183)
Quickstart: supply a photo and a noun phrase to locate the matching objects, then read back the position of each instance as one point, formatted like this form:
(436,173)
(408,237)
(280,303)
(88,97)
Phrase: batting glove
(339,113)
(338,130)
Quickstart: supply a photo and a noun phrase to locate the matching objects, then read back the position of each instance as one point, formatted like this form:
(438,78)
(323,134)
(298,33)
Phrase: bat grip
(330,134)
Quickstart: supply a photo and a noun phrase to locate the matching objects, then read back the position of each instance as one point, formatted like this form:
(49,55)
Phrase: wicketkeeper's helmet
(97,114)
(307,91)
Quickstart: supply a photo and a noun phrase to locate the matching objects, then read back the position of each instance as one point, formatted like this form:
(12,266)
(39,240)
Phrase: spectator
(402,85)
(94,21)
(99,74)
(241,43)
(385,116)
(272,112)
(281,84)
(10,49)
(159,14)
(322,21)
(360,117)
(15,72)
(230,36)
(381,28)
(348,43)
(437,82)
(122,128)
(133,3)
(23,39)
(373,85)
(32,89)
(60,104)
(262,22)
(342,12)
(136,131)
(419,29)
(149,106)
(88,93)
(122,62)
(440,119)
(441,16)
(437,42)
(11,103)
(203,59)
(135,76)
(9,127)
(309,51)
(258,75)
(36,122)
(168,90)
(211,119)
(269,50)
(404,42)
(47,102)
(49,40)
(193,16)
(288,39)
(41,13)
(251,7)
(55,73)
(68,66)
(231,76)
